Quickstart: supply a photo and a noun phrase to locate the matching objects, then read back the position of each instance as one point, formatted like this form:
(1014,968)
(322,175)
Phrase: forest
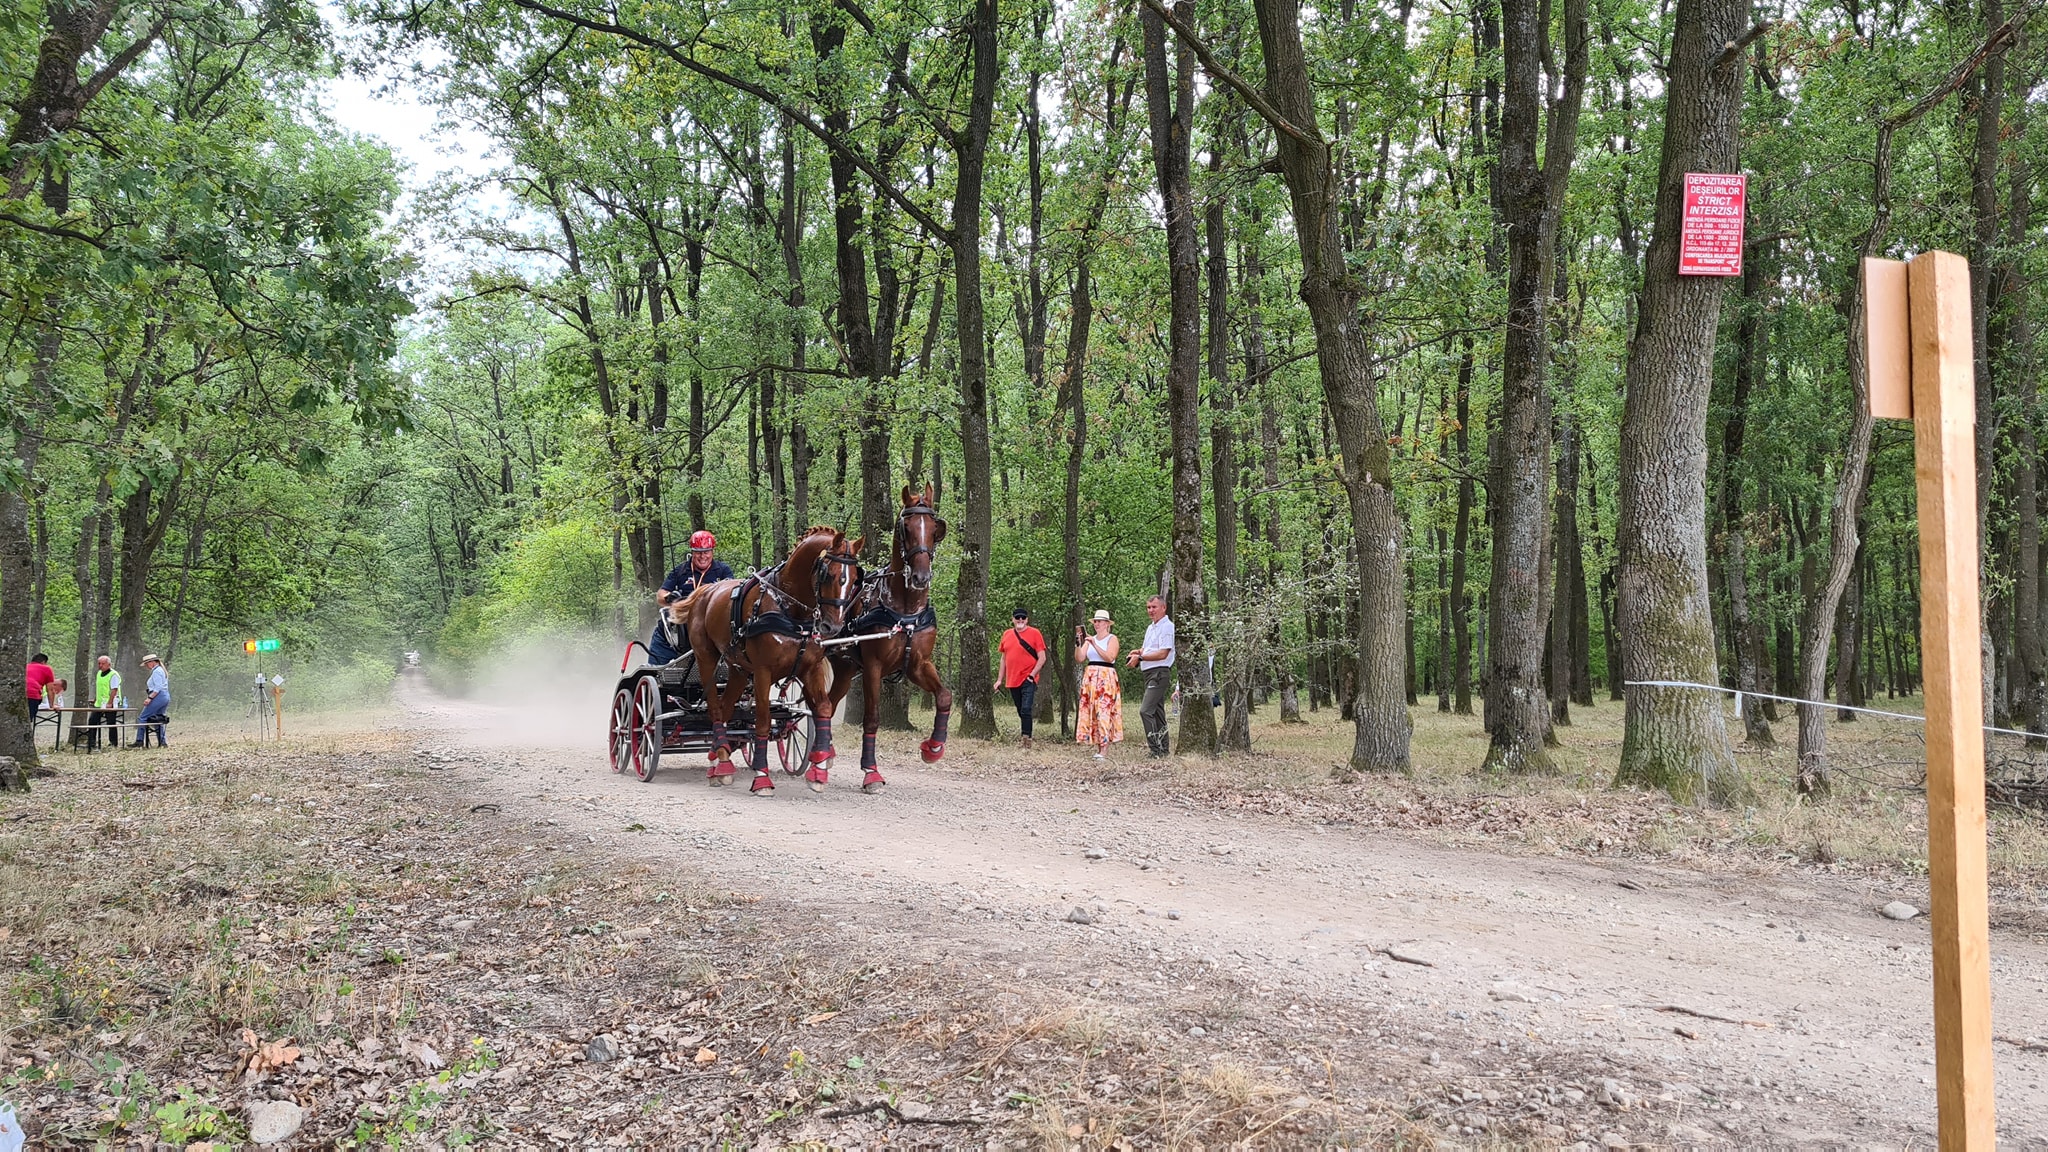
(1358,331)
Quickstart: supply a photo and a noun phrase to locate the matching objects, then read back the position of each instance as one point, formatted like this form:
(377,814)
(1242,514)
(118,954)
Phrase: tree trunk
(1331,294)
(1461,540)
(2016,340)
(1749,368)
(789,230)
(1233,667)
(1531,202)
(1170,101)
(1676,738)
(1985,89)
(1073,387)
(17,734)
(976,691)
(1567,568)
(1824,597)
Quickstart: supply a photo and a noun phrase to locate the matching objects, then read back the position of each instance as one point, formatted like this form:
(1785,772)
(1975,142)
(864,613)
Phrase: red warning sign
(1710,239)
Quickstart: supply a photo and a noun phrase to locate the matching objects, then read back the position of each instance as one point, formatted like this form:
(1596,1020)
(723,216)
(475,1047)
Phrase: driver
(700,569)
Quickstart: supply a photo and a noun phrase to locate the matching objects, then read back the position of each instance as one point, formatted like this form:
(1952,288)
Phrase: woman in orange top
(1102,697)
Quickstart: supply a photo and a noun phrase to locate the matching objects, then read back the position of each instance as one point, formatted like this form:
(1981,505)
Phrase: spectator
(106,704)
(1102,697)
(700,569)
(1024,657)
(40,674)
(155,705)
(56,695)
(1155,657)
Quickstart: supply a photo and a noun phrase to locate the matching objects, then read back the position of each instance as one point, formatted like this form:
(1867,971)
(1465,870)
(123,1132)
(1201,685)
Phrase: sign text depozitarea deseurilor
(1710,238)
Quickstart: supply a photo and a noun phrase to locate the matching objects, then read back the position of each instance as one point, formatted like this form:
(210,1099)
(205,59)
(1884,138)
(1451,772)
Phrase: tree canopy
(1355,331)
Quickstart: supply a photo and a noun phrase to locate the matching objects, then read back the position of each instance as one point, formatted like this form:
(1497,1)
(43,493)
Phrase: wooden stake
(1945,463)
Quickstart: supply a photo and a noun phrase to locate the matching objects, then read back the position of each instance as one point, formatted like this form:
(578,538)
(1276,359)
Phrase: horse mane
(822,529)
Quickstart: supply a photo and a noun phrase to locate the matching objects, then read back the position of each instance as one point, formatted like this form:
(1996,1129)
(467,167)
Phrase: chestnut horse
(768,626)
(897,600)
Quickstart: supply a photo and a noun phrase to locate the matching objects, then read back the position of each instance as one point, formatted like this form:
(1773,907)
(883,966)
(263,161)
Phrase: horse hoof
(762,783)
(873,782)
(817,787)
(818,776)
(932,751)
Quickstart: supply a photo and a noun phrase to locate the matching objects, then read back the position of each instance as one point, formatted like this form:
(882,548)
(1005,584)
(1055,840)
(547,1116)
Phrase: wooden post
(1937,311)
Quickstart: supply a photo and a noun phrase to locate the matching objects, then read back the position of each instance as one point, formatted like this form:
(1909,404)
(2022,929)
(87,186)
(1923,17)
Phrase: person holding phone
(1024,655)
(1102,696)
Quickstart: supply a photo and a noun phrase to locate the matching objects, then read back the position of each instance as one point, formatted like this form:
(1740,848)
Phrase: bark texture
(1675,738)
(1170,104)
(1531,201)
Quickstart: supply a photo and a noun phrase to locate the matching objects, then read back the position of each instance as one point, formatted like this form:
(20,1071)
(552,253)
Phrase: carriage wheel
(622,729)
(646,727)
(793,745)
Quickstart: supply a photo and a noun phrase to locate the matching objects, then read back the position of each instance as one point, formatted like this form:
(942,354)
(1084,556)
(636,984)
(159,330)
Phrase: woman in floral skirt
(1102,697)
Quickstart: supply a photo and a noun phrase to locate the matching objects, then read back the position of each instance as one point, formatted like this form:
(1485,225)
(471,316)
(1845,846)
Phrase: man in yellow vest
(106,703)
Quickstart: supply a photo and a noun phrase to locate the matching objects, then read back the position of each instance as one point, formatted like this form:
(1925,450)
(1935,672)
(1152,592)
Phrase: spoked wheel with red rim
(793,742)
(646,727)
(621,744)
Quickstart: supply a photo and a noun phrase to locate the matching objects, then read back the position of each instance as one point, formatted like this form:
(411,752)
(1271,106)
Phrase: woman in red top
(1024,652)
(39,676)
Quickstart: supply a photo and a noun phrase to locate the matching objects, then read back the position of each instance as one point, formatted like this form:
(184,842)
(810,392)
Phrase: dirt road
(1783,1010)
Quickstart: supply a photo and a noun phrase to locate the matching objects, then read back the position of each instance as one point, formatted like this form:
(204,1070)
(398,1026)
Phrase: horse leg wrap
(758,759)
(934,749)
(719,743)
(867,751)
(822,750)
(762,783)
(872,780)
(818,775)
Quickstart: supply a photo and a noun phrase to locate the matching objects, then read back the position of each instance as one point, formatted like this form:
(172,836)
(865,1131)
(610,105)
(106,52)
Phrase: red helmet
(702,541)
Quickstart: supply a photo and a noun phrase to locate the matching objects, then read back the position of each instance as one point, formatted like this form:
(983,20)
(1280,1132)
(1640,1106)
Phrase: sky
(386,107)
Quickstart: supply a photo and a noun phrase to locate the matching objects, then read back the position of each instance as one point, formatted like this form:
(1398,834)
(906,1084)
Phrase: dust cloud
(545,690)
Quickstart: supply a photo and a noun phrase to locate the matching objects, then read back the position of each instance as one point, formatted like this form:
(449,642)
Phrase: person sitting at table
(106,706)
(39,676)
(57,694)
(155,705)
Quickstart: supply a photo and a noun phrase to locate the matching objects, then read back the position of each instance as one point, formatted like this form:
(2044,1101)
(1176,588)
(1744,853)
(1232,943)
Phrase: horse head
(918,532)
(831,563)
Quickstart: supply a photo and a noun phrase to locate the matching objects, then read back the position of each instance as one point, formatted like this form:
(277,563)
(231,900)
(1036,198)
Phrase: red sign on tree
(1710,239)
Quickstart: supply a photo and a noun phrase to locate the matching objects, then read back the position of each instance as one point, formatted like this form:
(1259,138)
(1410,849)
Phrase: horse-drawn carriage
(786,645)
(659,709)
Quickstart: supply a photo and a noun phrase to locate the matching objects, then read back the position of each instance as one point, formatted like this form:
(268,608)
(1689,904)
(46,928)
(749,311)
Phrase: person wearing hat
(702,568)
(1102,696)
(1024,656)
(155,706)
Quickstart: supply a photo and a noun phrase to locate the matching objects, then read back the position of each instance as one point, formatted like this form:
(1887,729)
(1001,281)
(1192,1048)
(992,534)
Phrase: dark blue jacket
(684,579)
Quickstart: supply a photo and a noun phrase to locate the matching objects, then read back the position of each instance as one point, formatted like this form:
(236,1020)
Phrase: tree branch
(52,230)
(1733,51)
(1224,76)
(1960,74)
(796,115)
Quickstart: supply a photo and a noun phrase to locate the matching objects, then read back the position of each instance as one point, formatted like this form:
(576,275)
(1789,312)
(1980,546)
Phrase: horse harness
(788,617)
(882,617)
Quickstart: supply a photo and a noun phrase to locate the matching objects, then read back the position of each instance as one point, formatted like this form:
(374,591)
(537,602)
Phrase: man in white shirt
(1155,658)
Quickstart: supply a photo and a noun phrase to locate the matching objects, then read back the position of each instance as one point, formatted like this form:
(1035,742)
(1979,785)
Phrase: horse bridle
(912,551)
(823,572)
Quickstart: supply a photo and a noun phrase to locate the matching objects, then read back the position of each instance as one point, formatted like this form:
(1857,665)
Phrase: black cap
(1021,614)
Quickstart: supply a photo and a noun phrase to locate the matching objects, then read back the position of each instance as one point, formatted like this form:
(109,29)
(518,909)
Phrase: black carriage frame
(658,709)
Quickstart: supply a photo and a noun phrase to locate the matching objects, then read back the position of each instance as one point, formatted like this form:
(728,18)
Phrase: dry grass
(159,907)
(1875,818)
